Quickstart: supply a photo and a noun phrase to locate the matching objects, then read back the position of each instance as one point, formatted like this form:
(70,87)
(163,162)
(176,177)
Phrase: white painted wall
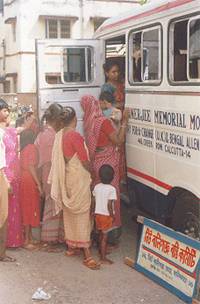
(29,27)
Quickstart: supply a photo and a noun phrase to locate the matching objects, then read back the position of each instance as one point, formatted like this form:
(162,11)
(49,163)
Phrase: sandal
(91,263)
(7,258)
(43,247)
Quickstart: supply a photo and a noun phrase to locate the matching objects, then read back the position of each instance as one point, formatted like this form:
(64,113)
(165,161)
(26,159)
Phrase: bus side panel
(163,146)
(145,199)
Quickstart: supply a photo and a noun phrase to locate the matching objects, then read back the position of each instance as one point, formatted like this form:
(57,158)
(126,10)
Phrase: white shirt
(2,150)
(103,193)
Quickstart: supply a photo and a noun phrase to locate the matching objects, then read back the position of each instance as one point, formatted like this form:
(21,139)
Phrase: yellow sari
(70,189)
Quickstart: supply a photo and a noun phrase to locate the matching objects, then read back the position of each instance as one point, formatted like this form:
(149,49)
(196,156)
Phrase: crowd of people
(68,184)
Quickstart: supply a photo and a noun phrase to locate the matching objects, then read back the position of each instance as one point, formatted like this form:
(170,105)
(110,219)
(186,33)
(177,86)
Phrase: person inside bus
(137,62)
(113,85)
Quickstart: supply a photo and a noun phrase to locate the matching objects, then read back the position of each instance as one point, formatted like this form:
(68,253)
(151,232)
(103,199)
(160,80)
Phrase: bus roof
(141,11)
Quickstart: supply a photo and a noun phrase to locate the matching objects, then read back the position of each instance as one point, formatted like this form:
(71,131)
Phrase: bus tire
(186,213)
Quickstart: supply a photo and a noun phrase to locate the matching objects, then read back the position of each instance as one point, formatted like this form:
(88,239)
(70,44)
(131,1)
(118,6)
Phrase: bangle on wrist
(123,126)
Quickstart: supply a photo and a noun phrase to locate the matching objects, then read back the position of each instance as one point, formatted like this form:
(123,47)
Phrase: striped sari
(93,120)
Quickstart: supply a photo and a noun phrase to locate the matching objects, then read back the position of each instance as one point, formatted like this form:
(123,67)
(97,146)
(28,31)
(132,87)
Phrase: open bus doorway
(115,51)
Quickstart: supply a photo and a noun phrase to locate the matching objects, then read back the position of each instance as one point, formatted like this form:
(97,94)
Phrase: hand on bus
(125,116)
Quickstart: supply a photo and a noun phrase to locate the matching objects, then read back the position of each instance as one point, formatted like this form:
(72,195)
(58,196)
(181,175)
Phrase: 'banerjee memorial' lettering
(147,128)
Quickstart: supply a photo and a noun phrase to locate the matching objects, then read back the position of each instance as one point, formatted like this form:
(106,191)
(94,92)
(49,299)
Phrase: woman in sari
(52,231)
(14,230)
(104,142)
(113,85)
(116,88)
(14,233)
(70,187)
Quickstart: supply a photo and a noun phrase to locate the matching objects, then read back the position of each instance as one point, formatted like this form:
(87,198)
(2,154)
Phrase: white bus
(158,48)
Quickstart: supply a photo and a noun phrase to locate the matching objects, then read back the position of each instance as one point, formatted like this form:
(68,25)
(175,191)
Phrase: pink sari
(92,121)
(14,233)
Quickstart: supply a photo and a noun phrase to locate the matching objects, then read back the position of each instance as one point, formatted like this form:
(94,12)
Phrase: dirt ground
(70,282)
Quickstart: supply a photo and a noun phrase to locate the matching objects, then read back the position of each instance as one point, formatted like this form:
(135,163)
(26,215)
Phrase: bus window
(77,64)
(184,50)
(151,55)
(145,56)
(194,49)
(178,41)
(53,71)
(136,57)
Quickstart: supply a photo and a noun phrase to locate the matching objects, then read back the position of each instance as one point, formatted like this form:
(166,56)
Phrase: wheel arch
(185,213)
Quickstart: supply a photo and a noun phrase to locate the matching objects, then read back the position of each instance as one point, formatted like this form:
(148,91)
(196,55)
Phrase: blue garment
(108,87)
(107,112)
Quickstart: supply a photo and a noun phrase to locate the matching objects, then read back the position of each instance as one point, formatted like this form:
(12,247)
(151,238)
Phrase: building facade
(23,21)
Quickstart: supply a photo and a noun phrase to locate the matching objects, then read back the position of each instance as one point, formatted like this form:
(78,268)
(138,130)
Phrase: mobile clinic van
(158,47)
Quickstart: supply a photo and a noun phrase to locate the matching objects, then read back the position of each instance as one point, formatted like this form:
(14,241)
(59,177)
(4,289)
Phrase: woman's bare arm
(92,209)
(118,138)
(110,208)
(33,172)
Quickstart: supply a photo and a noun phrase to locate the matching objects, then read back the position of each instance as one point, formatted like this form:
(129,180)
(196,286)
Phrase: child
(30,187)
(108,106)
(102,206)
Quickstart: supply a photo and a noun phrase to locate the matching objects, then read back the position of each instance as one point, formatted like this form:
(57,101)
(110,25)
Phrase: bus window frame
(159,62)
(169,52)
(85,47)
(196,80)
(141,29)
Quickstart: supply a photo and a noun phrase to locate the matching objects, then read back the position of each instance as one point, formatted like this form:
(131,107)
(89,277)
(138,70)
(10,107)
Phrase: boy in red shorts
(105,196)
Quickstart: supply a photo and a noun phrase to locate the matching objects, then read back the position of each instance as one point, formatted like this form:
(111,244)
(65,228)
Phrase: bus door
(66,70)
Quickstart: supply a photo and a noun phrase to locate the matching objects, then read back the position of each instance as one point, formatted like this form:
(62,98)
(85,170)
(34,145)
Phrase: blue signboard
(169,258)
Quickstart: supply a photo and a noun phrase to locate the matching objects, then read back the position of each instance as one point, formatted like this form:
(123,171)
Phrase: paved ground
(69,282)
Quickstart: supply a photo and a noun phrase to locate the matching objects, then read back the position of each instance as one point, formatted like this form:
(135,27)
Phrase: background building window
(14,31)
(97,21)
(58,28)
(14,84)
(1,6)
(6,86)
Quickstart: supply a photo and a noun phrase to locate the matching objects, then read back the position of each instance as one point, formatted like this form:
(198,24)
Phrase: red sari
(97,129)
(29,194)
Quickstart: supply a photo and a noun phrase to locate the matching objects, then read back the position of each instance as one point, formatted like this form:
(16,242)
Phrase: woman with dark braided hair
(52,225)
(70,187)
